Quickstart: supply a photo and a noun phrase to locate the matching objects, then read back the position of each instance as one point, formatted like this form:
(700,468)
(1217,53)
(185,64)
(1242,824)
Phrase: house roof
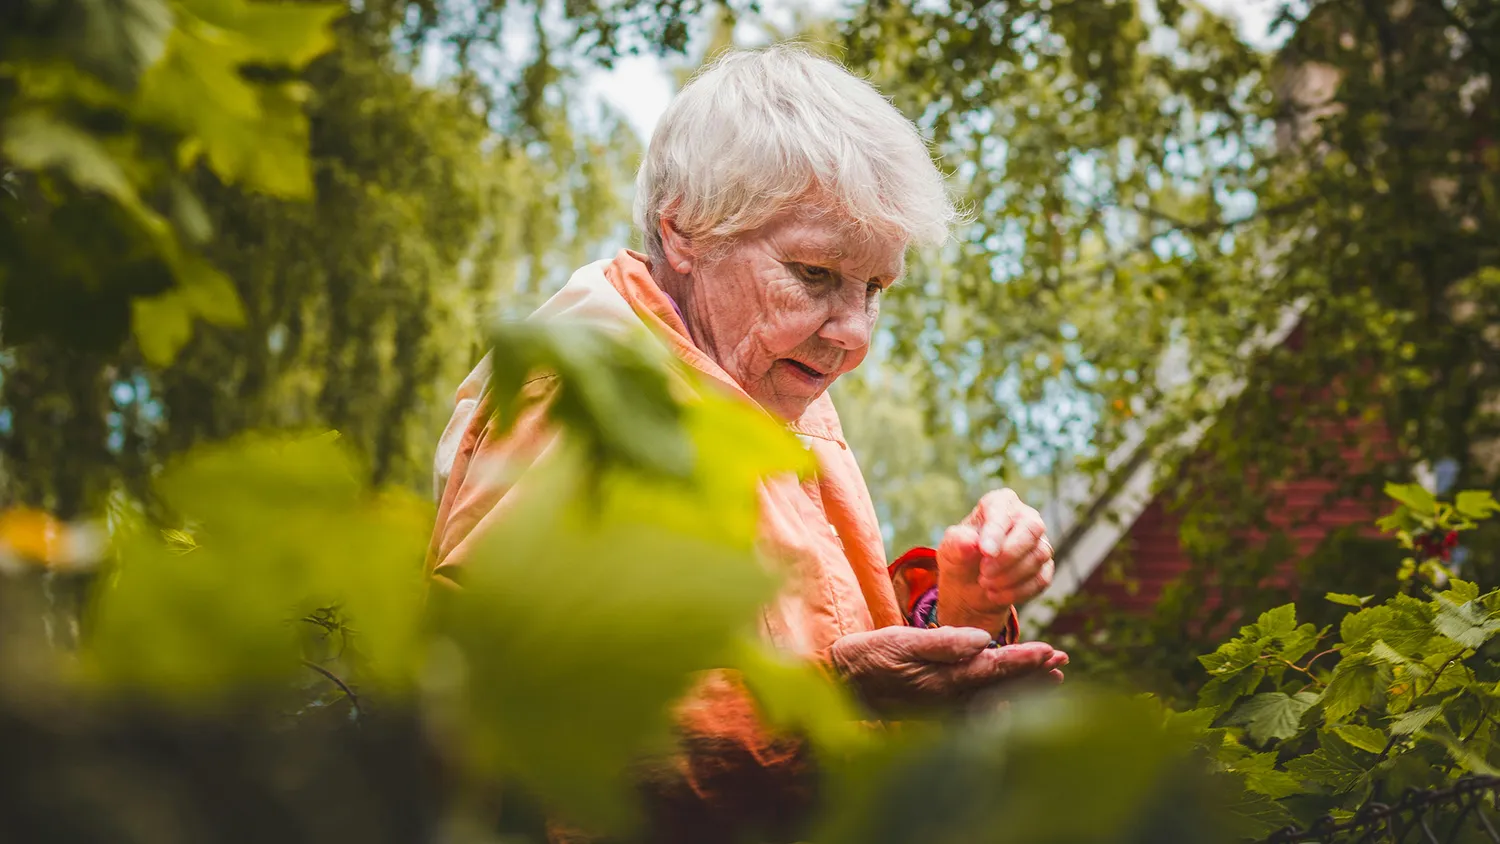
(1089,526)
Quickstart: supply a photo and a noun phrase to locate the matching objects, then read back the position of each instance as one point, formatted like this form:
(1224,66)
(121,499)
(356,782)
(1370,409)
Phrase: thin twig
(1437,676)
(333,678)
(1321,654)
(1296,667)
(1484,717)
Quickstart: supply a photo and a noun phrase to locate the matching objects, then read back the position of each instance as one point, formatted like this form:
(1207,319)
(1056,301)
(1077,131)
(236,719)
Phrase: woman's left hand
(996,558)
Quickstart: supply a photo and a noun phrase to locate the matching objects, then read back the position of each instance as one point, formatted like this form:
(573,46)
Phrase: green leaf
(1385,653)
(601,666)
(1403,623)
(1296,644)
(208,293)
(1415,720)
(281,529)
(1359,629)
(1414,496)
(1470,760)
(1335,764)
(253,134)
(162,324)
(37,141)
(1232,656)
(1476,504)
(273,34)
(1353,684)
(1461,591)
(1348,600)
(614,393)
(1399,521)
(1273,715)
(1068,767)
(1262,777)
(1467,624)
(1364,738)
(1220,692)
(795,696)
(1279,622)
(1256,815)
(1191,722)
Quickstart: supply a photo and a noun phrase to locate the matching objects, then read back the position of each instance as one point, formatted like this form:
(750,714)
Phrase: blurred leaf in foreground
(1075,766)
(282,530)
(597,597)
(613,395)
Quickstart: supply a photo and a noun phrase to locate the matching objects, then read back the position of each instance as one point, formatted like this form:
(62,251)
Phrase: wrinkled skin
(996,558)
(898,669)
(787,309)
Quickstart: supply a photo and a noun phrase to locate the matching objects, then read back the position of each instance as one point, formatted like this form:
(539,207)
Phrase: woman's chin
(788,408)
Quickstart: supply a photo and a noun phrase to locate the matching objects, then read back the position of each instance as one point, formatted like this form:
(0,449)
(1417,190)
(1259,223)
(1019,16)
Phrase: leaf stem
(1295,666)
(333,678)
(1437,676)
(1316,656)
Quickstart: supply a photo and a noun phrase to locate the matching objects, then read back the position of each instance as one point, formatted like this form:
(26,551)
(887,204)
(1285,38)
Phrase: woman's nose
(849,325)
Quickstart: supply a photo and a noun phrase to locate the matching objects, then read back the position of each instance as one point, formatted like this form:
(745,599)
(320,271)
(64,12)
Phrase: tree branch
(333,678)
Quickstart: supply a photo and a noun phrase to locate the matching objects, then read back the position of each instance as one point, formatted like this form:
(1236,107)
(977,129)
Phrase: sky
(639,87)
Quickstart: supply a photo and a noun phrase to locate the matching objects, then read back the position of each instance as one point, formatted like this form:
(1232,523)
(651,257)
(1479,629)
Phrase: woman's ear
(677,248)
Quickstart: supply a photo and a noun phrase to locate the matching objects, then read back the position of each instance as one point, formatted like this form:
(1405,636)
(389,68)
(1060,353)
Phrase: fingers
(996,514)
(1009,531)
(1009,571)
(940,644)
(996,665)
(1037,577)
(1026,535)
(896,668)
(961,544)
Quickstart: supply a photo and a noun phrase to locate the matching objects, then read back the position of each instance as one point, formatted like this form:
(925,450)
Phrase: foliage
(1430,528)
(100,146)
(359,306)
(1076,135)
(342,228)
(1151,200)
(1401,696)
(229,604)
(551,672)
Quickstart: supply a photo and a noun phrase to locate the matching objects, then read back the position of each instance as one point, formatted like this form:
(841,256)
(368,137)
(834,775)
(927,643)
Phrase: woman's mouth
(807,373)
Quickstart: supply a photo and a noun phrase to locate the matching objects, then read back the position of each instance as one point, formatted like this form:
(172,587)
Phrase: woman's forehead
(831,241)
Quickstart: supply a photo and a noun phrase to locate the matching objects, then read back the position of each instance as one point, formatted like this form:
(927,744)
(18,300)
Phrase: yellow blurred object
(33,537)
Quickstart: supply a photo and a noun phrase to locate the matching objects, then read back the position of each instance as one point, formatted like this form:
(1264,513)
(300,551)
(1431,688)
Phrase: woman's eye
(814,273)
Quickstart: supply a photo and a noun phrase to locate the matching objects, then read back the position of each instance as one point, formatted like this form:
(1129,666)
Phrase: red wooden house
(1125,526)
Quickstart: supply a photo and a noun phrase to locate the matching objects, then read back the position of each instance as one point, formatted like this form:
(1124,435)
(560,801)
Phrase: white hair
(758,133)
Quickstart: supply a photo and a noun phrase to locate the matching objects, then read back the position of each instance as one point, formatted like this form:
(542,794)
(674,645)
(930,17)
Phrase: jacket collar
(629,276)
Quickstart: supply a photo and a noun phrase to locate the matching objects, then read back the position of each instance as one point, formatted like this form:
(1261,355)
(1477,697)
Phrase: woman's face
(790,307)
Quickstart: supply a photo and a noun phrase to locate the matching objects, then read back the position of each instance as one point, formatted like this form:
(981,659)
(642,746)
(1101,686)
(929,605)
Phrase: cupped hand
(902,668)
(996,558)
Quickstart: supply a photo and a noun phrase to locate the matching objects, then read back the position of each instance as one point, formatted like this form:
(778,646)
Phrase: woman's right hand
(903,668)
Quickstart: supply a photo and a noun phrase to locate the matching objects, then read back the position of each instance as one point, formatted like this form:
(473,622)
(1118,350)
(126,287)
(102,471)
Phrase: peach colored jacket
(730,773)
(824,529)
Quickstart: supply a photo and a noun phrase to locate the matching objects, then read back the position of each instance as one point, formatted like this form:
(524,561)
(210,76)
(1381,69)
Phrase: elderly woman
(777,200)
